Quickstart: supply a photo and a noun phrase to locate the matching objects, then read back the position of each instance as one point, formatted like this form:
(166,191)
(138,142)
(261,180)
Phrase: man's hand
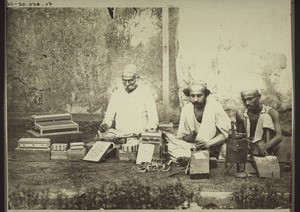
(201,145)
(262,150)
(103,127)
(259,148)
(190,138)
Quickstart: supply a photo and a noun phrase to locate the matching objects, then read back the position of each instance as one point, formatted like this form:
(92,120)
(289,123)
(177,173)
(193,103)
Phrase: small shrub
(255,196)
(131,194)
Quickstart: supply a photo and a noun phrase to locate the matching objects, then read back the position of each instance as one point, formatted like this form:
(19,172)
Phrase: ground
(69,176)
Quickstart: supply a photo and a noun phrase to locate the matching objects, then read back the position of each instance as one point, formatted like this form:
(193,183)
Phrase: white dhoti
(178,147)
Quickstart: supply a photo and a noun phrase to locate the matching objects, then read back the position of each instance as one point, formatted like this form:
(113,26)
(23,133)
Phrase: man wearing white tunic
(132,107)
(203,124)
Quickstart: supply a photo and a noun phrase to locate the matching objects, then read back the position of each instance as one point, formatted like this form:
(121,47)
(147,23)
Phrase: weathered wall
(234,45)
(70,59)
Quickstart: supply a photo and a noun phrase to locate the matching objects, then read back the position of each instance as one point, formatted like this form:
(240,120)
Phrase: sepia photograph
(149,105)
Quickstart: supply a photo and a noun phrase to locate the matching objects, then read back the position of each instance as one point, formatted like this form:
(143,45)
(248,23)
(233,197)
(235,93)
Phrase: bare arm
(218,139)
(278,133)
(240,128)
(110,111)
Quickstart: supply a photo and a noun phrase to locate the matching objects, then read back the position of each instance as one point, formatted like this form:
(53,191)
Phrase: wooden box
(213,163)
(154,136)
(76,154)
(127,156)
(76,145)
(59,155)
(199,166)
(53,124)
(59,147)
(34,143)
(131,145)
(29,155)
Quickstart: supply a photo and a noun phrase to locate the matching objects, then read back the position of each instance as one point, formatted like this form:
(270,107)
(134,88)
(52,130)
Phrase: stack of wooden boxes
(60,128)
(128,151)
(76,151)
(59,151)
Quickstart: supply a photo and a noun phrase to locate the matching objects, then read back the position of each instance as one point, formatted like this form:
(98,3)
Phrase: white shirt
(214,117)
(133,112)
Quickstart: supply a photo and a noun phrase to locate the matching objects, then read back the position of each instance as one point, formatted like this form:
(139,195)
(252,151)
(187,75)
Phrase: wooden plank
(166,71)
(267,167)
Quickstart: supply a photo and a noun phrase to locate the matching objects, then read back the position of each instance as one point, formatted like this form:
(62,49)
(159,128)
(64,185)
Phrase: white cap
(130,70)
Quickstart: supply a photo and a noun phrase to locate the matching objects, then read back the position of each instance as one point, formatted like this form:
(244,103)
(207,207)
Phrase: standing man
(260,123)
(132,107)
(203,123)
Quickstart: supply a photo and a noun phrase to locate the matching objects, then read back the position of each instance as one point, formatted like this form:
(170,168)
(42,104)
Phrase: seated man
(203,124)
(132,107)
(260,123)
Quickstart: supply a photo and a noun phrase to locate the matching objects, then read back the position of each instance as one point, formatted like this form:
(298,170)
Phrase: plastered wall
(70,59)
(235,46)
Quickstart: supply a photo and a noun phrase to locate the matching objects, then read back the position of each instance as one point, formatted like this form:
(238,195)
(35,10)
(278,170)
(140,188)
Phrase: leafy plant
(130,194)
(255,196)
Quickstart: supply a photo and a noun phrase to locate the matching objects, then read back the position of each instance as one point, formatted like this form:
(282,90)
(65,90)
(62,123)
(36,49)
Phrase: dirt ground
(69,176)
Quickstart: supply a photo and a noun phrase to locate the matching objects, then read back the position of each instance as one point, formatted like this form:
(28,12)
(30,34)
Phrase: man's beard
(131,88)
(198,104)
